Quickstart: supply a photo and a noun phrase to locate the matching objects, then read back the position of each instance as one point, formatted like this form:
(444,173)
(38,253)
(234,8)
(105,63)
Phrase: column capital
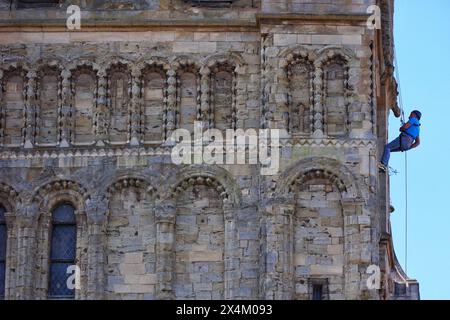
(229,210)
(27,214)
(165,211)
(96,210)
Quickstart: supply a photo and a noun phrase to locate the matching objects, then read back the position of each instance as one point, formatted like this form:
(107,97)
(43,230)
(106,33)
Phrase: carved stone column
(96,214)
(318,103)
(2,111)
(11,256)
(26,245)
(136,106)
(267,115)
(66,96)
(279,264)
(171,102)
(240,96)
(283,100)
(100,115)
(165,238)
(205,113)
(355,241)
(30,109)
(231,262)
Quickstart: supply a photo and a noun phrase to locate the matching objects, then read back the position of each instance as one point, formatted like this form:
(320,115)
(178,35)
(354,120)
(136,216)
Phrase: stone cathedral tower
(87,184)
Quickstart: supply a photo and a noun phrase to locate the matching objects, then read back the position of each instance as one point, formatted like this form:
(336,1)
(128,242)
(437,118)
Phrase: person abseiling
(409,139)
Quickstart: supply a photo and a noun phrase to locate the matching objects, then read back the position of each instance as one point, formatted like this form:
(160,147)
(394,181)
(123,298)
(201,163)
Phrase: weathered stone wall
(131,244)
(199,245)
(84,117)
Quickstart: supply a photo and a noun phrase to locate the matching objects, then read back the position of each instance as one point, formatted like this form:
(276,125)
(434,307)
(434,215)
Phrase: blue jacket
(414,130)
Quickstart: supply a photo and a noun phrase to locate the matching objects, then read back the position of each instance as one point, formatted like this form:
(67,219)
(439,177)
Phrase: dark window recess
(24,4)
(210,3)
(399,289)
(318,289)
(317,292)
(62,251)
(3,239)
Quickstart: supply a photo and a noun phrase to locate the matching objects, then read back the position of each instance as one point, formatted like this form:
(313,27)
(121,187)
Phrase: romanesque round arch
(48,195)
(144,62)
(234,67)
(42,64)
(332,52)
(314,167)
(298,114)
(318,174)
(54,69)
(22,70)
(288,54)
(215,177)
(221,181)
(79,63)
(185,62)
(16,65)
(117,61)
(46,198)
(130,181)
(231,58)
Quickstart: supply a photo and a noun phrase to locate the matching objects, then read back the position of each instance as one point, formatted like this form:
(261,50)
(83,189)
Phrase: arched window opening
(335,104)
(222,96)
(62,252)
(300,98)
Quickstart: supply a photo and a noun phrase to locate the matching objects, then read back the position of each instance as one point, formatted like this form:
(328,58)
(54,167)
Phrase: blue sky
(422,38)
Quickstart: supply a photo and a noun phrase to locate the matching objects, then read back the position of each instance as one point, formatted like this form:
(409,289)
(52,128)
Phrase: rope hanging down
(397,76)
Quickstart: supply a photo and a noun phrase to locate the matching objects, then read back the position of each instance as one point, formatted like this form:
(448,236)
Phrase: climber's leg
(393,146)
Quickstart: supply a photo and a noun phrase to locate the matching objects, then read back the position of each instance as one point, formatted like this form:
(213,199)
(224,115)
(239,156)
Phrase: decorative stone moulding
(60,185)
(318,174)
(8,190)
(199,180)
(125,183)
